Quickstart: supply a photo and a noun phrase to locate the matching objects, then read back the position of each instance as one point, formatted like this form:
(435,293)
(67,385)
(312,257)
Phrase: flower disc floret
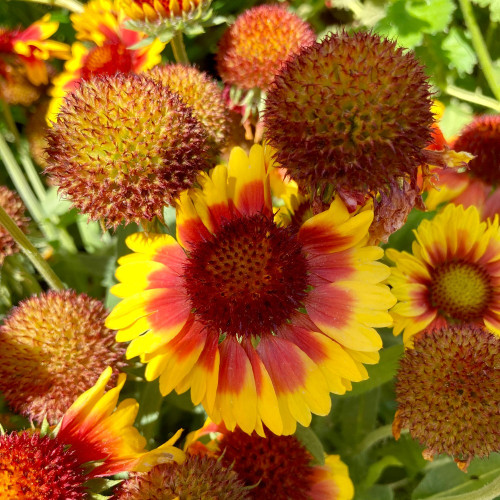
(450,277)
(48,340)
(447,393)
(123,147)
(482,139)
(38,467)
(260,321)
(353,111)
(257,45)
(248,277)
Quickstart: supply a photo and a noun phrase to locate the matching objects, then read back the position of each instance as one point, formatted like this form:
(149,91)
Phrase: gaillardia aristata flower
(14,206)
(32,48)
(200,477)
(260,321)
(201,93)
(353,111)
(93,440)
(163,11)
(452,275)
(257,45)
(123,147)
(447,392)
(103,24)
(53,348)
(99,431)
(275,466)
(478,184)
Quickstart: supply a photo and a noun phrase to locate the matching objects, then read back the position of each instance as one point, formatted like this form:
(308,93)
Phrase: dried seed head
(201,93)
(447,393)
(54,347)
(255,47)
(353,111)
(123,147)
(13,205)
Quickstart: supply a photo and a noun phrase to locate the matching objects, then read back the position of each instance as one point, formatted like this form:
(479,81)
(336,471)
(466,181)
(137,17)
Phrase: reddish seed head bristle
(13,205)
(280,463)
(353,111)
(482,139)
(447,392)
(123,147)
(41,468)
(255,47)
(248,278)
(53,348)
(201,93)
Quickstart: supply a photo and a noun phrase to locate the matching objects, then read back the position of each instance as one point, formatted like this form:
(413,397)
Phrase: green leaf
(447,481)
(456,115)
(311,442)
(380,373)
(377,492)
(375,470)
(460,54)
(494,6)
(400,24)
(436,14)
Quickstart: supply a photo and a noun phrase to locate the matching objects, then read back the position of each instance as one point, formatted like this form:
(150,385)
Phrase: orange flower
(32,47)
(99,433)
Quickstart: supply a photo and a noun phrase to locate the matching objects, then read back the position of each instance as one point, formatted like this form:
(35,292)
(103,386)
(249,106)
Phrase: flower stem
(30,251)
(480,46)
(22,186)
(31,172)
(466,95)
(9,120)
(72,5)
(179,48)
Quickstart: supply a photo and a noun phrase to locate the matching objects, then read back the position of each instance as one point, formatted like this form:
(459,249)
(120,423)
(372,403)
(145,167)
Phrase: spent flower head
(53,347)
(352,111)
(447,393)
(14,206)
(123,147)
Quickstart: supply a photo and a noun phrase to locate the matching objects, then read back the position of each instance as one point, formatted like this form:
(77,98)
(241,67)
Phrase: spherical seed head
(36,133)
(353,111)
(279,466)
(447,392)
(201,93)
(38,467)
(123,147)
(14,206)
(255,47)
(54,347)
(200,477)
(482,139)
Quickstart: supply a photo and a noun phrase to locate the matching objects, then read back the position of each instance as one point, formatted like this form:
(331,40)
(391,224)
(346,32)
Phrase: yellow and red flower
(477,185)
(32,47)
(103,23)
(93,440)
(98,432)
(261,321)
(274,466)
(452,275)
(161,10)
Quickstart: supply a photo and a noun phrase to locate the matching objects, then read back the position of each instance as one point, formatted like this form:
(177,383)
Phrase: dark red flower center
(461,290)
(280,463)
(38,467)
(107,60)
(248,278)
